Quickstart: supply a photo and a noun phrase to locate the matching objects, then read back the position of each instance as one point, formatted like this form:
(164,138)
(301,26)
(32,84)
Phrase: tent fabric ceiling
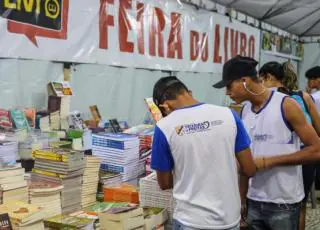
(299,17)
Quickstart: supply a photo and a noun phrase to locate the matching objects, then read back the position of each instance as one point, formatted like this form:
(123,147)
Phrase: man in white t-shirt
(195,151)
(313,87)
(274,122)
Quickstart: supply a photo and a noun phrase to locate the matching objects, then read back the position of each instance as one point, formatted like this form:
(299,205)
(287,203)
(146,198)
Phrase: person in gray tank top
(275,123)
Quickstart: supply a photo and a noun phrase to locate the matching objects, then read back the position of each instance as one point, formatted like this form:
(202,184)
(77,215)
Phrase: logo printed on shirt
(196,127)
(262,137)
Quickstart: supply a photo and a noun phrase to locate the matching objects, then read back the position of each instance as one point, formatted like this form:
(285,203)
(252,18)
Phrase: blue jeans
(178,226)
(270,216)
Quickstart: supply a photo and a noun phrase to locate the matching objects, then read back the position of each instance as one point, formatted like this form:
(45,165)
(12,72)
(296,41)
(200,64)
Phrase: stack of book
(24,216)
(155,218)
(64,167)
(90,181)
(8,152)
(127,216)
(12,184)
(119,153)
(145,134)
(107,180)
(68,222)
(88,215)
(46,195)
(151,195)
(122,193)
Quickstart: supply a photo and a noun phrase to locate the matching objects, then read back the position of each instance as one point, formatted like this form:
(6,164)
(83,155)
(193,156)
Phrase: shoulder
(307,98)
(290,103)
(292,110)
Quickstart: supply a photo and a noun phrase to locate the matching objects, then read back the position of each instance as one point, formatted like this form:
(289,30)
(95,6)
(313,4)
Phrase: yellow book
(46,173)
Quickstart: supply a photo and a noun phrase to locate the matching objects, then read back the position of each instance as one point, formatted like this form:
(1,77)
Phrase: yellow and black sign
(42,13)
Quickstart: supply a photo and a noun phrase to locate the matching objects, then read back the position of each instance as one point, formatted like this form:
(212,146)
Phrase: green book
(19,119)
(66,222)
(102,206)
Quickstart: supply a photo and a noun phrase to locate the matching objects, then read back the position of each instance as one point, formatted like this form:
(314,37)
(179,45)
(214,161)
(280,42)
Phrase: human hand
(260,163)
(308,89)
(244,213)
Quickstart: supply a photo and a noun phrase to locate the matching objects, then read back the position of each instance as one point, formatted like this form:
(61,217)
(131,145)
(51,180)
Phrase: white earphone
(253,93)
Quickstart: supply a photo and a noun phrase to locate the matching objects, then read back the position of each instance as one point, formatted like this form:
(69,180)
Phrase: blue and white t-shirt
(199,143)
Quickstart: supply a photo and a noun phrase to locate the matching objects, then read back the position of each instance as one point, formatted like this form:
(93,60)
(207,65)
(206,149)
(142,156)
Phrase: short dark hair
(168,88)
(313,73)
(254,78)
(274,68)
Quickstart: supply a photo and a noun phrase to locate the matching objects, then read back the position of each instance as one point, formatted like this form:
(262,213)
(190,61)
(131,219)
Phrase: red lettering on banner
(124,27)
(234,42)
(226,43)
(217,58)
(204,47)
(140,25)
(156,31)
(194,45)
(243,44)
(104,22)
(252,44)
(174,41)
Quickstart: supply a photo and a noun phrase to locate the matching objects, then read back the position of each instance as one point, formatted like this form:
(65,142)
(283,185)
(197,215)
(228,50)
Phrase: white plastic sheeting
(120,92)
(23,82)
(299,17)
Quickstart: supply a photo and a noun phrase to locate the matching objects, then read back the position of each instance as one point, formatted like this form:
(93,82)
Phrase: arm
(242,148)
(162,160)
(246,165)
(307,134)
(165,180)
(247,169)
(313,112)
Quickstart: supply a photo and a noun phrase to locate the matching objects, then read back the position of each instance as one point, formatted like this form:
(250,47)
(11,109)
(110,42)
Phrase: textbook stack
(12,184)
(119,153)
(24,216)
(90,181)
(145,134)
(107,180)
(127,216)
(64,167)
(46,195)
(151,195)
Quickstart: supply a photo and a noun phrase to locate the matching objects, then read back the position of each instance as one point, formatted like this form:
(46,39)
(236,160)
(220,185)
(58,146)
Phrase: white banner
(132,33)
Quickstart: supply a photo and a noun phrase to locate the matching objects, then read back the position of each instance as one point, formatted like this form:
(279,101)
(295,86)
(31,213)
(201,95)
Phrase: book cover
(154,110)
(95,113)
(19,119)
(5,120)
(56,89)
(21,211)
(67,222)
(115,126)
(54,104)
(66,88)
(5,223)
(30,114)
